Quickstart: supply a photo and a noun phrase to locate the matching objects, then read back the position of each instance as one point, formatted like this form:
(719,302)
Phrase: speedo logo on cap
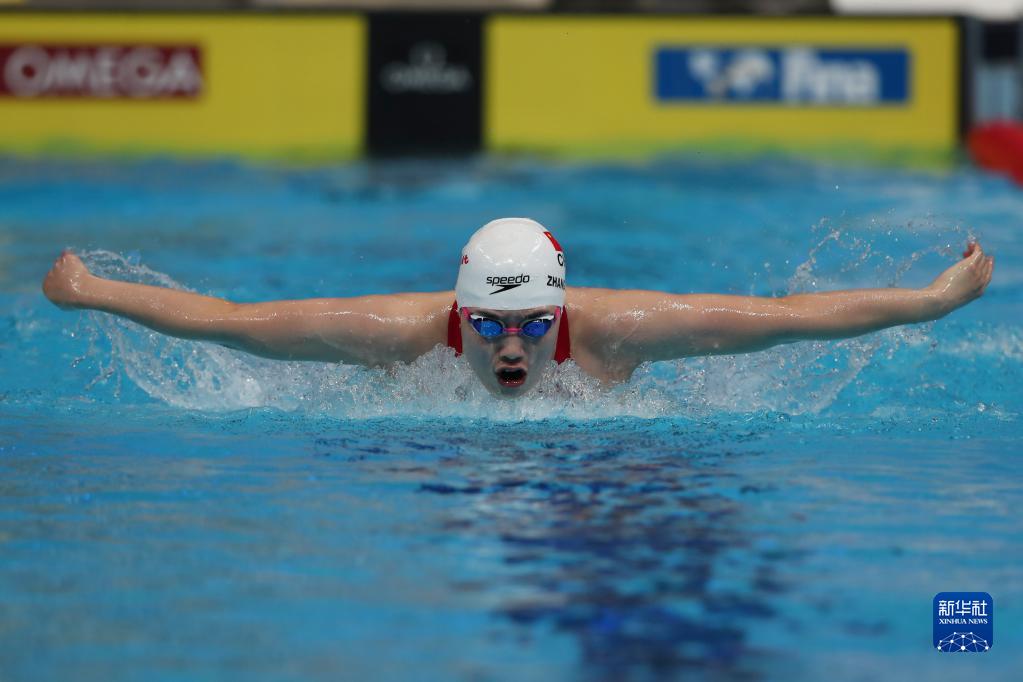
(506,283)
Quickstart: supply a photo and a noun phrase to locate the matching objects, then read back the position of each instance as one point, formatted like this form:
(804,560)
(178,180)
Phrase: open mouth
(511,377)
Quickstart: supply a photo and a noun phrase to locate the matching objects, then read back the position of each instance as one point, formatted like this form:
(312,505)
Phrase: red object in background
(998,146)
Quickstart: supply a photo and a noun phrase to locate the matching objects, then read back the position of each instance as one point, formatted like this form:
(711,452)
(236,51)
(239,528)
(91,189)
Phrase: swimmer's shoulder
(420,317)
(431,307)
(593,304)
(590,308)
(582,298)
(429,300)
(589,312)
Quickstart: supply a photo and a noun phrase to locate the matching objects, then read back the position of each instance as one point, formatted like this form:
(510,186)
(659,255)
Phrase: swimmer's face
(509,365)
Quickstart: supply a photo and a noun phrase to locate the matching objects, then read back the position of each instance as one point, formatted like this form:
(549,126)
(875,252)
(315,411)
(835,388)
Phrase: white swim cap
(511,264)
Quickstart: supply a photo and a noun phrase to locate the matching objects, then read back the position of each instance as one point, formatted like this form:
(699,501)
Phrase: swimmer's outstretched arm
(656,326)
(366,330)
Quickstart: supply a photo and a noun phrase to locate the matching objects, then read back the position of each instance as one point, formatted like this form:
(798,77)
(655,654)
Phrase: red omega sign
(100,71)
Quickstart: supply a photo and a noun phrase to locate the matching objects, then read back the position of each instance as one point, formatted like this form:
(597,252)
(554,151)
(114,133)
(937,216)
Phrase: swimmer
(509,315)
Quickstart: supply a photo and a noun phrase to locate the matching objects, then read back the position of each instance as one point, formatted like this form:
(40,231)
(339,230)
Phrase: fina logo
(426,72)
(794,75)
(741,75)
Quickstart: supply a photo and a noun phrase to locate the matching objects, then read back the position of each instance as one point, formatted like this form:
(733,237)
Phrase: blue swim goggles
(489,328)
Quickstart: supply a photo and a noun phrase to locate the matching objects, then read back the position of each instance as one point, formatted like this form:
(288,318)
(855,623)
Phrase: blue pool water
(174,510)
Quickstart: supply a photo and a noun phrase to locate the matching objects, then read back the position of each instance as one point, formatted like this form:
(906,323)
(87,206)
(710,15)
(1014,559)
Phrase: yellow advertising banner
(250,85)
(582,84)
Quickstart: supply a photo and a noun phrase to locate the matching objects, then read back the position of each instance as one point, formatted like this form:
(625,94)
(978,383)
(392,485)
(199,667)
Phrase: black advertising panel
(424,83)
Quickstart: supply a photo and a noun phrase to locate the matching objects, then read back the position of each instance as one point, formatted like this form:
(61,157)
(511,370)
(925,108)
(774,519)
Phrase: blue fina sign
(797,75)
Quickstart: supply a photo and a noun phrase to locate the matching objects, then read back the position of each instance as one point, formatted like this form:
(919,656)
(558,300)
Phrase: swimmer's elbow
(765,323)
(259,330)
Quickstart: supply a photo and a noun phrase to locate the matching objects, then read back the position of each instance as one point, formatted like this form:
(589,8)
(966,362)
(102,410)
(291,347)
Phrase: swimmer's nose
(512,350)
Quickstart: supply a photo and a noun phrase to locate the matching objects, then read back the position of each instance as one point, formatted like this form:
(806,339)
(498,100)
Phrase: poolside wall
(336,85)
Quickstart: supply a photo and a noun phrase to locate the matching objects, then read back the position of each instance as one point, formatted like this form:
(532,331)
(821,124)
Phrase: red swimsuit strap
(454,331)
(562,352)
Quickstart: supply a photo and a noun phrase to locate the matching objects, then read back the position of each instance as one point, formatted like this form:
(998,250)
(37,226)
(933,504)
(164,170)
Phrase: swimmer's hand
(964,281)
(66,282)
